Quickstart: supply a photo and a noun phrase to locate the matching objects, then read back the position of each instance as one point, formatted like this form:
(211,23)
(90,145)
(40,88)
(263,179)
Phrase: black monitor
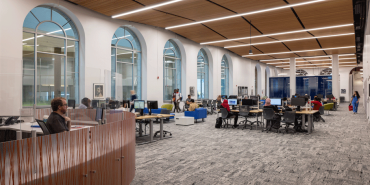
(152,105)
(95,104)
(99,113)
(126,103)
(72,103)
(140,105)
(320,96)
(114,104)
(276,101)
(305,97)
(298,102)
(249,102)
(329,96)
(233,97)
(224,96)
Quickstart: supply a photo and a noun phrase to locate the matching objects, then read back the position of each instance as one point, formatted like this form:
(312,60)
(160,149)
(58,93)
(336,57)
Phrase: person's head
(86,102)
(192,100)
(174,90)
(132,92)
(189,96)
(59,105)
(268,102)
(317,98)
(356,94)
(246,97)
(177,90)
(225,101)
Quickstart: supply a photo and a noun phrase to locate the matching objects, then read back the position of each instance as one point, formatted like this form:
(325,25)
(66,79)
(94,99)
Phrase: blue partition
(311,85)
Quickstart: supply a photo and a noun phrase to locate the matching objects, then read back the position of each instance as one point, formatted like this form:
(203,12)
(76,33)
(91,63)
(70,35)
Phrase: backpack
(218,122)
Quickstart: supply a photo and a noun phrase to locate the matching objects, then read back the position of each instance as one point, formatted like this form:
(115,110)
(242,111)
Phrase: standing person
(178,99)
(174,100)
(57,121)
(355,101)
(225,105)
(133,97)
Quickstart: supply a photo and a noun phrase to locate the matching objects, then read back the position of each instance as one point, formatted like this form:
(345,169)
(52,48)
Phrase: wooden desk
(310,119)
(251,111)
(150,118)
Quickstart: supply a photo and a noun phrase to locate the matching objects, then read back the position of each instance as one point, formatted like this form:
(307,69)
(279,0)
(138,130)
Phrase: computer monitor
(152,105)
(233,97)
(298,101)
(329,96)
(72,103)
(320,96)
(99,113)
(275,101)
(139,104)
(224,96)
(249,102)
(126,103)
(233,101)
(95,103)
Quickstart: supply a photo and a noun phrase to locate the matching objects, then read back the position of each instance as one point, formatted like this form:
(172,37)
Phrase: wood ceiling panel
(242,6)
(303,45)
(338,41)
(341,51)
(241,42)
(112,7)
(199,33)
(324,13)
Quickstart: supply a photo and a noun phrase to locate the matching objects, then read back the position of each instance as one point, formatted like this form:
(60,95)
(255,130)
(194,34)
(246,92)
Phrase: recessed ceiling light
(146,8)
(306,38)
(246,13)
(281,33)
(298,51)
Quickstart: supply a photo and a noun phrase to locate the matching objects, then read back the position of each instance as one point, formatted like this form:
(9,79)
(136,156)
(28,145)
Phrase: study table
(258,111)
(150,118)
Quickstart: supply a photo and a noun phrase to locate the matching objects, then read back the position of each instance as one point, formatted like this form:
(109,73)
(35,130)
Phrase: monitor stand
(150,111)
(298,108)
(141,112)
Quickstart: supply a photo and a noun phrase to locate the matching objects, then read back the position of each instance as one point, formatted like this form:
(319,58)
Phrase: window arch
(126,64)
(202,75)
(171,69)
(224,76)
(327,71)
(301,72)
(51,54)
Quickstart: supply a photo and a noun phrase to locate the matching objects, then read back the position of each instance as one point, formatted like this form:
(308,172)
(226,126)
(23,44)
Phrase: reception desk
(102,154)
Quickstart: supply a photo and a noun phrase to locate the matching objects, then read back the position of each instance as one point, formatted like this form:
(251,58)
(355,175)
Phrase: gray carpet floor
(337,152)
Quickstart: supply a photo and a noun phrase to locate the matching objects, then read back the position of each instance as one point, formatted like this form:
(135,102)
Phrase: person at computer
(316,106)
(85,103)
(133,97)
(193,105)
(355,101)
(225,105)
(276,117)
(57,121)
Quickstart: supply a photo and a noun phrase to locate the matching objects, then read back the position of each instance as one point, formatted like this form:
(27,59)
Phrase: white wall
(96,31)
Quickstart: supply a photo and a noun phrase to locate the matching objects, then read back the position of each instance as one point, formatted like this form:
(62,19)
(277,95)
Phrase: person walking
(133,98)
(355,101)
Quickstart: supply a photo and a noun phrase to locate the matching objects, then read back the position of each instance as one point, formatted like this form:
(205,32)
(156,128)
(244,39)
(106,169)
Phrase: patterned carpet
(337,152)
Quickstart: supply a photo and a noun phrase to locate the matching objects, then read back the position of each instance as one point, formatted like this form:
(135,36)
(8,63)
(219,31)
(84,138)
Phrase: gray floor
(336,153)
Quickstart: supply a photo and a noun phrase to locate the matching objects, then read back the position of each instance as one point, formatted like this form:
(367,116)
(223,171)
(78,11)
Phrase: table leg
(303,121)
(151,130)
(140,128)
(161,128)
(310,124)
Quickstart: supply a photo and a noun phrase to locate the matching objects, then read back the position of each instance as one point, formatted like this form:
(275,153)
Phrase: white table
(185,121)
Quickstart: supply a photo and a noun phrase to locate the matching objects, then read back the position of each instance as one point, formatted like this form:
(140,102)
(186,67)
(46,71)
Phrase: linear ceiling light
(346,55)
(298,51)
(281,33)
(244,14)
(146,8)
(306,38)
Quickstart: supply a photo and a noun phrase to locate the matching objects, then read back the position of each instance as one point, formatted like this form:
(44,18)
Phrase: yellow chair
(328,107)
(167,106)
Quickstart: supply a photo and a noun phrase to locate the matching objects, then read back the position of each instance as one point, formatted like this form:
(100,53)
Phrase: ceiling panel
(200,33)
(342,41)
(242,6)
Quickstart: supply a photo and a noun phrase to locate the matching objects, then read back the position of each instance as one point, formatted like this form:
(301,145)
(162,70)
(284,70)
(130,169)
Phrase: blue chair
(199,113)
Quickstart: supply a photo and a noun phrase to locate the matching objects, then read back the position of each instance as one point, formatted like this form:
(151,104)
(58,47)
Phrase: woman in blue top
(355,101)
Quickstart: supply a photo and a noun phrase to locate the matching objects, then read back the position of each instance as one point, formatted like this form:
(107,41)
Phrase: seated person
(57,122)
(85,103)
(193,105)
(188,100)
(277,117)
(218,100)
(317,105)
(225,105)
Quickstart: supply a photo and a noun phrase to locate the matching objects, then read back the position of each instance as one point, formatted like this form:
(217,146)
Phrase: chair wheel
(170,134)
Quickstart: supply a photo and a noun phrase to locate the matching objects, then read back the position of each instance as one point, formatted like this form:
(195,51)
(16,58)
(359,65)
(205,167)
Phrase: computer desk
(151,132)
(252,111)
(310,119)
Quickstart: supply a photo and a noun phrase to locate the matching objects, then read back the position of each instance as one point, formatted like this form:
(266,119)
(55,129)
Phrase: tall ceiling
(301,19)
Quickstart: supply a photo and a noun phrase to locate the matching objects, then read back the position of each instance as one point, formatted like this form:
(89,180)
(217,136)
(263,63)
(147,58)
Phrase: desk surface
(307,112)
(26,127)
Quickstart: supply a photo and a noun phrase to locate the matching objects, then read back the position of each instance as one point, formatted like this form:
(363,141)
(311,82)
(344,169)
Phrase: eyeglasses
(65,105)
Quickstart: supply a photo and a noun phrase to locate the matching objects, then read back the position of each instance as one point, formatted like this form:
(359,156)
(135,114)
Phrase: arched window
(172,69)
(51,54)
(326,71)
(301,72)
(126,63)
(224,76)
(203,77)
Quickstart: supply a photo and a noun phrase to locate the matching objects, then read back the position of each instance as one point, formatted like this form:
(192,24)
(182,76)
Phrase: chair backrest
(43,127)
(204,103)
(224,113)
(268,113)
(322,110)
(165,111)
(209,103)
(244,110)
(289,116)
(167,106)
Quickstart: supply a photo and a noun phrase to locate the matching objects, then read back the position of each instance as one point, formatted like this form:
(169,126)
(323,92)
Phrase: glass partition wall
(50,57)
(202,75)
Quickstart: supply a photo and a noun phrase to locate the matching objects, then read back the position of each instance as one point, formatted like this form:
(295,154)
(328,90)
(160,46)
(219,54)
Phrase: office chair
(289,119)
(164,111)
(318,117)
(43,127)
(209,107)
(214,106)
(186,107)
(224,117)
(244,112)
(268,115)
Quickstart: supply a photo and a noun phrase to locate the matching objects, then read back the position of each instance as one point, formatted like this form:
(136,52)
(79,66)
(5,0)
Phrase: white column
(292,77)
(335,77)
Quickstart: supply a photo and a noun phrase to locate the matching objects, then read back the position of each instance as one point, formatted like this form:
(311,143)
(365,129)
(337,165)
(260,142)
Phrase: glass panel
(28,70)
(42,13)
(50,44)
(170,83)
(279,87)
(113,78)
(137,74)
(50,78)
(72,71)
(169,53)
(50,28)
(127,78)
(170,62)
(71,30)
(30,23)
(123,43)
(58,18)
(114,40)
(124,56)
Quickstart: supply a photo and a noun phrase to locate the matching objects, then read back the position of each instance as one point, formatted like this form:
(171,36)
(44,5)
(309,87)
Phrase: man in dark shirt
(57,121)
(276,118)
